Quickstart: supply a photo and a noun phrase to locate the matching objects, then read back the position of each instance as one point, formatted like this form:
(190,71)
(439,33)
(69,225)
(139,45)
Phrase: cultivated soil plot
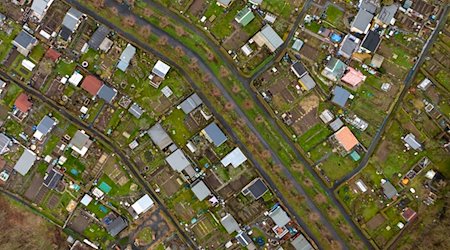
(167,181)
(18,222)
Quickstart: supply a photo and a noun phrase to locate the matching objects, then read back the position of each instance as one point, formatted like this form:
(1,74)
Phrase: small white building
(142,205)
(75,78)
(235,158)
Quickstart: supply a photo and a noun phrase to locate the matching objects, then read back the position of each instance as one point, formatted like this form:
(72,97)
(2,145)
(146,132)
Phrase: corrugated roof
(201,190)
(126,57)
(25,162)
(279,216)
(229,223)
(178,161)
(159,136)
(107,93)
(191,103)
(340,96)
(215,134)
(136,110)
(272,37)
(235,158)
(71,19)
(362,21)
(99,35)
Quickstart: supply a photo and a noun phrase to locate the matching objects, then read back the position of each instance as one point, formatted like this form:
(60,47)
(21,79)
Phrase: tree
(180,51)
(129,21)
(223,72)
(114,10)
(148,12)
(146,31)
(163,40)
(164,22)
(180,30)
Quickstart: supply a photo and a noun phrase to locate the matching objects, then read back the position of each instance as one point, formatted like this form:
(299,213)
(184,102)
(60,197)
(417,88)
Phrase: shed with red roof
(23,103)
(52,54)
(91,84)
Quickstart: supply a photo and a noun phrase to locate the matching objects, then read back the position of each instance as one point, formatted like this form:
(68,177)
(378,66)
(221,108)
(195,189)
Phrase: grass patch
(313,136)
(334,15)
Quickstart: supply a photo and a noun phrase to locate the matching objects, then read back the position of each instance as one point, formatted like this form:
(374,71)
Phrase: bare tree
(229,106)
(163,40)
(148,12)
(164,22)
(129,21)
(114,10)
(180,30)
(180,51)
(145,31)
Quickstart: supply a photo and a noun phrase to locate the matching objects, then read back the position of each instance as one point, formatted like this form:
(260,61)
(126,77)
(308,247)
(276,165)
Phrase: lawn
(313,136)
(145,236)
(98,209)
(11,94)
(222,26)
(176,128)
(74,167)
(116,190)
(64,68)
(313,26)
(51,143)
(334,15)
(278,7)
(444,78)
(403,58)
(5,40)
(37,53)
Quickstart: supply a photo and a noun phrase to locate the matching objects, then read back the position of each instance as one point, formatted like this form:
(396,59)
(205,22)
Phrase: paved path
(408,81)
(124,11)
(125,159)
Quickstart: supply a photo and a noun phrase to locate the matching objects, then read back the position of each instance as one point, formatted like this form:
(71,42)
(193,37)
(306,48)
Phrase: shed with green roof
(245,16)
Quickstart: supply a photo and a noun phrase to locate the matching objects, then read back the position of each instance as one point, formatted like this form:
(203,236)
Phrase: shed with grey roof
(368,6)
(279,216)
(214,134)
(256,188)
(191,103)
(336,124)
(301,243)
(5,143)
(348,46)
(39,8)
(25,162)
(386,15)
(107,93)
(389,190)
(410,140)
(136,110)
(159,136)
(229,223)
(200,190)
(116,226)
(340,96)
(24,42)
(44,127)
(178,160)
(125,57)
(274,41)
(72,19)
(99,35)
(361,23)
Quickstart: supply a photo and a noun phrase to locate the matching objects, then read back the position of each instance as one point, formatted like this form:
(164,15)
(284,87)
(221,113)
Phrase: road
(407,82)
(103,138)
(124,11)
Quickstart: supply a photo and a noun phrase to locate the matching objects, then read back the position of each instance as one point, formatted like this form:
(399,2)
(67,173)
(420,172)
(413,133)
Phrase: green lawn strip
(50,144)
(64,68)
(334,15)
(37,53)
(444,78)
(6,39)
(313,136)
(116,189)
(11,95)
(281,7)
(176,127)
(313,26)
